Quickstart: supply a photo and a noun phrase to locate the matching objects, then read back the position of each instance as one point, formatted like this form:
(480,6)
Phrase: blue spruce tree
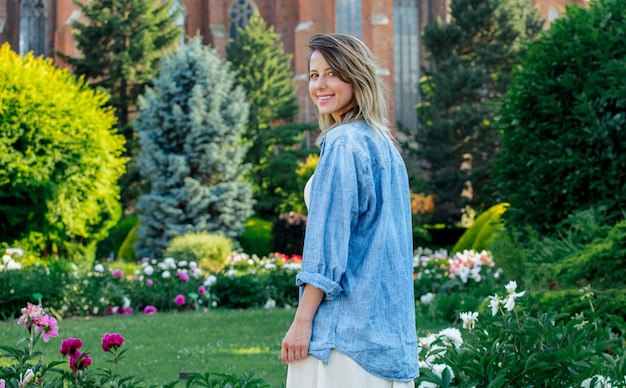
(189,127)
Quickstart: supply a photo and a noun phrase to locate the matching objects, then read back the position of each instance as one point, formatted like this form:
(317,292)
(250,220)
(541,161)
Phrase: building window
(33,16)
(406,52)
(348,17)
(180,19)
(240,13)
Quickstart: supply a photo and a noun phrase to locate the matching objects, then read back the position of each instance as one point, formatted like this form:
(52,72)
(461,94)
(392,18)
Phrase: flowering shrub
(29,369)
(447,285)
(505,346)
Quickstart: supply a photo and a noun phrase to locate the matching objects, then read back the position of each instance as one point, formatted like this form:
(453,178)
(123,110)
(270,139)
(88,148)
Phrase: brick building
(390,28)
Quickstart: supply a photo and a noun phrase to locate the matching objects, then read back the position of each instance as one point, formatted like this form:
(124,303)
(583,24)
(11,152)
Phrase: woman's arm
(295,345)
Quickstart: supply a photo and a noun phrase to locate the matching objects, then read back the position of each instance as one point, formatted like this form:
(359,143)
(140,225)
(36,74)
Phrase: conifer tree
(472,58)
(189,127)
(121,43)
(264,70)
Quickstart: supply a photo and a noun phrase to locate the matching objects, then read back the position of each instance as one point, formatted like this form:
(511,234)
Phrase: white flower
(270,304)
(98,268)
(427,298)
(214,304)
(19,252)
(125,302)
(509,301)
(26,378)
(598,382)
(148,270)
(166,274)
(451,336)
(169,262)
(210,281)
(469,319)
(13,265)
(231,273)
(182,263)
(494,303)
(193,265)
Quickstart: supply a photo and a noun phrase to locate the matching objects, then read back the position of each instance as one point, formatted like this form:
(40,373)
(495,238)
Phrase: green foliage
(209,250)
(483,232)
(264,71)
(564,123)
(116,237)
(510,347)
(599,264)
(257,237)
(190,126)
(295,200)
(121,43)
(127,249)
(59,160)
(472,57)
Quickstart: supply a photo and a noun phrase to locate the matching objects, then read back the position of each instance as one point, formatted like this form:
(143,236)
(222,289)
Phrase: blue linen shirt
(358,250)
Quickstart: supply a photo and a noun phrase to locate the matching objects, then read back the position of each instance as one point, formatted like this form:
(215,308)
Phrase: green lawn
(162,345)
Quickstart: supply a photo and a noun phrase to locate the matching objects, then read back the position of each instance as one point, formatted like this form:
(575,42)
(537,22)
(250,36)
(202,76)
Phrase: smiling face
(329,93)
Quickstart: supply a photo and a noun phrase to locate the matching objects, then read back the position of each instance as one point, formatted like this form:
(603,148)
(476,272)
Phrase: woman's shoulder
(349,132)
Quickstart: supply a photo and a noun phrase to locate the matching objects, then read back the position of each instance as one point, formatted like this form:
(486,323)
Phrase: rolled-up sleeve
(333,212)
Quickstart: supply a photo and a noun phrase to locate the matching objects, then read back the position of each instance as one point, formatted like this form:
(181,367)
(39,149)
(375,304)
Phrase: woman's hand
(295,345)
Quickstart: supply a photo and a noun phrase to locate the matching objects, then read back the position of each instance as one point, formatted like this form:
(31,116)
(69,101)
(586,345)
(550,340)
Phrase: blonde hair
(353,62)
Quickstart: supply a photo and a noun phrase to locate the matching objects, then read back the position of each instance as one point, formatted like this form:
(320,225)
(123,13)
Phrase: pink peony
(202,290)
(79,361)
(179,300)
(32,312)
(70,346)
(48,326)
(148,310)
(118,274)
(112,341)
(183,276)
(1,383)
(149,282)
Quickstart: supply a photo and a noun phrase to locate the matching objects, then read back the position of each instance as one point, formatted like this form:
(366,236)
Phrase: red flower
(70,346)
(79,361)
(112,341)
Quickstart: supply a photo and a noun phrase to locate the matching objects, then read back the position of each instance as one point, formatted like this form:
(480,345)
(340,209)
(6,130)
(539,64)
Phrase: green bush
(481,235)
(257,237)
(127,249)
(116,237)
(60,159)
(209,250)
(564,121)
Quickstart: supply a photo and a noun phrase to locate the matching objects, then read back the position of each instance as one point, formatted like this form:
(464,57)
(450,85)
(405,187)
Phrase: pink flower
(148,310)
(33,312)
(70,346)
(118,274)
(125,310)
(202,290)
(179,300)
(48,326)
(112,341)
(183,276)
(149,282)
(1,383)
(79,361)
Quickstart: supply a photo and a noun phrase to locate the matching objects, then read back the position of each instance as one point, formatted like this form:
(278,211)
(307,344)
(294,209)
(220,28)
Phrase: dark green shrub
(257,237)
(243,291)
(288,233)
(111,245)
(209,250)
(564,121)
(483,232)
(127,249)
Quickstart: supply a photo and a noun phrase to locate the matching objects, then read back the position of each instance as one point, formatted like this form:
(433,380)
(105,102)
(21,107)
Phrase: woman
(355,322)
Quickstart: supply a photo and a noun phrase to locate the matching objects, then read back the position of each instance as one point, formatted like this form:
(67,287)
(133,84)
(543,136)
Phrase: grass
(162,345)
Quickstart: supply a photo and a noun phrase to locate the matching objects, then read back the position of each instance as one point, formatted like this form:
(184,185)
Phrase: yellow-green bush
(481,234)
(209,250)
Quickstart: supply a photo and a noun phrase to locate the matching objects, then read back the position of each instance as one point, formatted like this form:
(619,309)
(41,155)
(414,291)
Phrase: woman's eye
(313,76)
